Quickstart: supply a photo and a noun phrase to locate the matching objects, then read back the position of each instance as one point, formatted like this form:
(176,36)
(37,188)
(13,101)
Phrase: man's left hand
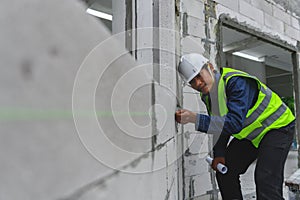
(216,161)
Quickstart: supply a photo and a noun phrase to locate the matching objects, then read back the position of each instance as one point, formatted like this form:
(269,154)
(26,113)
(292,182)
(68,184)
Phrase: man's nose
(199,80)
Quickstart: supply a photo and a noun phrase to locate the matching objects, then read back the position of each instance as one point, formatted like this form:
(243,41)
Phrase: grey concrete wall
(43,45)
(115,148)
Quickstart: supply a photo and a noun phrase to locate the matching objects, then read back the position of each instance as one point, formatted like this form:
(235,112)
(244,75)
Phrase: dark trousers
(271,156)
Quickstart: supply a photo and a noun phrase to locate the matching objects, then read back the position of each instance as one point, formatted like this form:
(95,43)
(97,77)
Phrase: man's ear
(211,67)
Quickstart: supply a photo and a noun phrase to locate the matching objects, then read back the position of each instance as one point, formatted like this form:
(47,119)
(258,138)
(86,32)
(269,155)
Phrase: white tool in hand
(221,168)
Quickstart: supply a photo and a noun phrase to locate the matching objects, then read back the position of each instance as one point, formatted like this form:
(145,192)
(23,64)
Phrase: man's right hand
(185,116)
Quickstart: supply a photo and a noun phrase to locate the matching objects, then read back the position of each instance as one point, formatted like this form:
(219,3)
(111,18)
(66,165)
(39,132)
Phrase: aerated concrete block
(281,15)
(194,8)
(195,165)
(251,12)
(198,144)
(231,4)
(198,185)
(263,5)
(192,102)
(195,27)
(192,44)
(292,32)
(296,22)
(274,23)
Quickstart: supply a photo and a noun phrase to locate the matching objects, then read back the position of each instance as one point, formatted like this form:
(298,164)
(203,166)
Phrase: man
(241,106)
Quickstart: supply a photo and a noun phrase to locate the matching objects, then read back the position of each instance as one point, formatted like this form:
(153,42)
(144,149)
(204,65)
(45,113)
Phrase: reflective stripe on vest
(254,115)
(268,112)
(268,122)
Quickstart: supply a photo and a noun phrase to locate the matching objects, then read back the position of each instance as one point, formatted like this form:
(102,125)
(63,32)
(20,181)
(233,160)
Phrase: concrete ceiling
(104,3)
(101,5)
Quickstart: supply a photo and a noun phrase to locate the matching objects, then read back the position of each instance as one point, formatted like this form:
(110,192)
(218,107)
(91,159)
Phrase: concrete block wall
(43,47)
(154,172)
(279,21)
(196,170)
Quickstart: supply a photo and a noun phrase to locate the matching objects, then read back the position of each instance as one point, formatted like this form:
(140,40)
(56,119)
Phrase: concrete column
(119,16)
(296,72)
(120,19)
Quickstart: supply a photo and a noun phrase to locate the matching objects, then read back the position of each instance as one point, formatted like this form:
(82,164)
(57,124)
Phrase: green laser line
(30,114)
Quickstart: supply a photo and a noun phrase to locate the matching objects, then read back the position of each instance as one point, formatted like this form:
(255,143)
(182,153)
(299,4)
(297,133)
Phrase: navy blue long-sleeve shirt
(241,95)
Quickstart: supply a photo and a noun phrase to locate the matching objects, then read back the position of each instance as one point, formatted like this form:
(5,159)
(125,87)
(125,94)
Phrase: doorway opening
(270,63)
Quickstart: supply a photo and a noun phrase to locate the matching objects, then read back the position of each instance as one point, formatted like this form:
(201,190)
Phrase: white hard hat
(190,65)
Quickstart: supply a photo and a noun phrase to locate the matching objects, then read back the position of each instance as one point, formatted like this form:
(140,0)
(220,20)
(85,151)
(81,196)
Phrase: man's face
(203,82)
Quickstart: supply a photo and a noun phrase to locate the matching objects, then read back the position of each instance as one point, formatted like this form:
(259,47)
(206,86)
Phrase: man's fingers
(177,116)
(182,110)
(214,165)
(182,116)
(216,161)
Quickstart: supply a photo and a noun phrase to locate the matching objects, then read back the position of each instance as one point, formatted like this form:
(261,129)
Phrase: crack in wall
(169,190)
(77,194)
(154,122)
(101,182)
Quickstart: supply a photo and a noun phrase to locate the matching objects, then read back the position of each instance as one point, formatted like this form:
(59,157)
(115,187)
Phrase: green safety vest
(269,112)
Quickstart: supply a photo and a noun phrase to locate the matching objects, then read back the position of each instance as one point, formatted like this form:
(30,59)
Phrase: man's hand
(185,116)
(216,161)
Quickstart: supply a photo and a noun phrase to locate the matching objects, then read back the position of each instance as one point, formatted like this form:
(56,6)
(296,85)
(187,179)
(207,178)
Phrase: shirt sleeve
(241,96)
